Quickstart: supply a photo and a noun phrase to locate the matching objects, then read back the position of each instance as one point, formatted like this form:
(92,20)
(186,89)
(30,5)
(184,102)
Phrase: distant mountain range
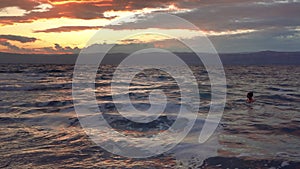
(254,58)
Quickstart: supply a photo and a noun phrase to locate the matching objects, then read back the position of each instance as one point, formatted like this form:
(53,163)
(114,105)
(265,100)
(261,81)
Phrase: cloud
(14,48)
(245,15)
(23,4)
(276,39)
(44,10)
(56,49)
(271,22)
(59,49)
(79,9)
(12,11)
(150,21)
(224,16)
(21,39)
(205,13)
(9,46)
(67,29)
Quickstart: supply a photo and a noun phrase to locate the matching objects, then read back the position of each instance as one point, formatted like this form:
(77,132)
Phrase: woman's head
(250,95)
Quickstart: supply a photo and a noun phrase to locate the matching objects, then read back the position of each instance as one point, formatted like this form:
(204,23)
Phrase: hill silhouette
(252,58)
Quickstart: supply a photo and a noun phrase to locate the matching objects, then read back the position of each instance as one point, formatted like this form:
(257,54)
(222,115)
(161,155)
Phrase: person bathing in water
(250,97)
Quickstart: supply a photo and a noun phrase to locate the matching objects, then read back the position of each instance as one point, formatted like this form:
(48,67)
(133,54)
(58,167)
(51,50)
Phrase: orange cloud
(83,10)
(80,9)
(62,2)
(67,29)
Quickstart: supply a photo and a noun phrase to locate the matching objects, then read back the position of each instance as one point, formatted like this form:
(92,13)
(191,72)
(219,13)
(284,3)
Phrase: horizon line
(246,52)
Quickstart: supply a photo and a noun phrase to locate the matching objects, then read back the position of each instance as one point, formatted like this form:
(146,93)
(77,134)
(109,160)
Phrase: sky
(65,26)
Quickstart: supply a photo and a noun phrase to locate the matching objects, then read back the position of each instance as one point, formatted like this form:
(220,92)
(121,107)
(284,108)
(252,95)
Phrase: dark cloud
(117,48)
(274,22)
(23,4)
(224,16)
(66,49)
(84,10)
(14,48)
(276,39)
(21,39)
(246,15)
(206,14)
(56,49)
(140,4)
(9,46)
(68,29)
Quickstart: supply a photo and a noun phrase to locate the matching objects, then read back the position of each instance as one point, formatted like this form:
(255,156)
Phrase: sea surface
(39,126)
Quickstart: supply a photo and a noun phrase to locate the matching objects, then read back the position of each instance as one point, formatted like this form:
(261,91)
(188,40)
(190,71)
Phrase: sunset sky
(61,26)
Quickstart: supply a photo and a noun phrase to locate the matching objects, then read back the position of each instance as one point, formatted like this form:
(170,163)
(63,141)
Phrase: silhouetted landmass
(262,58)
(255,58)
(37,58)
